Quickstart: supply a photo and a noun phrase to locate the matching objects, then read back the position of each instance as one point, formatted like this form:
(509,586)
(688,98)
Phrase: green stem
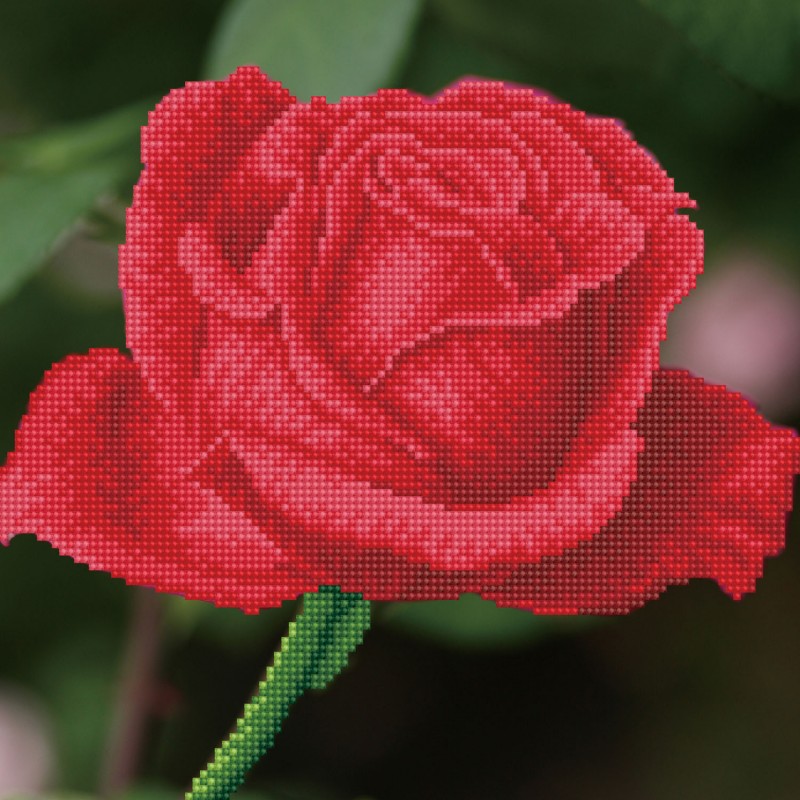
(314,651)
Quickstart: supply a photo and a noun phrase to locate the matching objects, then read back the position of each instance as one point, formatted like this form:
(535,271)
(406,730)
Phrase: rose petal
(594,226)
(500,265)
(499,406)
(713,489)
(196,134)
(194,140)
(710,501)
(625,169)
(101,473)
(215,281)
(328,505)
(626,348)
(250,389)
(400,286)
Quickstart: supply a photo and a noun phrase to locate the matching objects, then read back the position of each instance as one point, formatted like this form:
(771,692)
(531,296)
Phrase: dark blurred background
(104,686)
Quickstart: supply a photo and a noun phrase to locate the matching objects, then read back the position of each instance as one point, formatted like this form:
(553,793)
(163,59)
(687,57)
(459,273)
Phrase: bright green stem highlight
(316,648)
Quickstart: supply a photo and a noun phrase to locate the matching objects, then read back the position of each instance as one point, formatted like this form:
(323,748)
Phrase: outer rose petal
(191,147)
(100,473)
(713,490)
(711,498)
(710,501)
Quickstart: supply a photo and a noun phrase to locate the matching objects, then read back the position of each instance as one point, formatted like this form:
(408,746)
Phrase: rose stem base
(316,648)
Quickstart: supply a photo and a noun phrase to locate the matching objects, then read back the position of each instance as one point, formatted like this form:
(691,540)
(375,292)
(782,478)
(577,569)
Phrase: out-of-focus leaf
(50,180)
(756,40)
(472,623)
(75,144)
(35,209)
(315,47)
(618,59)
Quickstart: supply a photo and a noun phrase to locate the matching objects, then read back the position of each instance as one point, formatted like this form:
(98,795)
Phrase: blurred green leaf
(756,40)
(614,58)
(472,623)
(315,47)
(618,59)
(35,209)
(68,146)
(48,181)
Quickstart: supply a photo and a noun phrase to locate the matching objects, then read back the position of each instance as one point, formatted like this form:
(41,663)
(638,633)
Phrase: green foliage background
(691,697)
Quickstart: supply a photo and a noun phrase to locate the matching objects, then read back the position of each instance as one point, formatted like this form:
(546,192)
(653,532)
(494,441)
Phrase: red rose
(408,347)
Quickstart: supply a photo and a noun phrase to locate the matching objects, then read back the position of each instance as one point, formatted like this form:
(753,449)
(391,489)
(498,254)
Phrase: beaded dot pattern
(405,346)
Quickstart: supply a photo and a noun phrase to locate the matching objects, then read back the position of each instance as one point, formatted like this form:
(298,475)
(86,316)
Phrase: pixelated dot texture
(403,345)
(316,647)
